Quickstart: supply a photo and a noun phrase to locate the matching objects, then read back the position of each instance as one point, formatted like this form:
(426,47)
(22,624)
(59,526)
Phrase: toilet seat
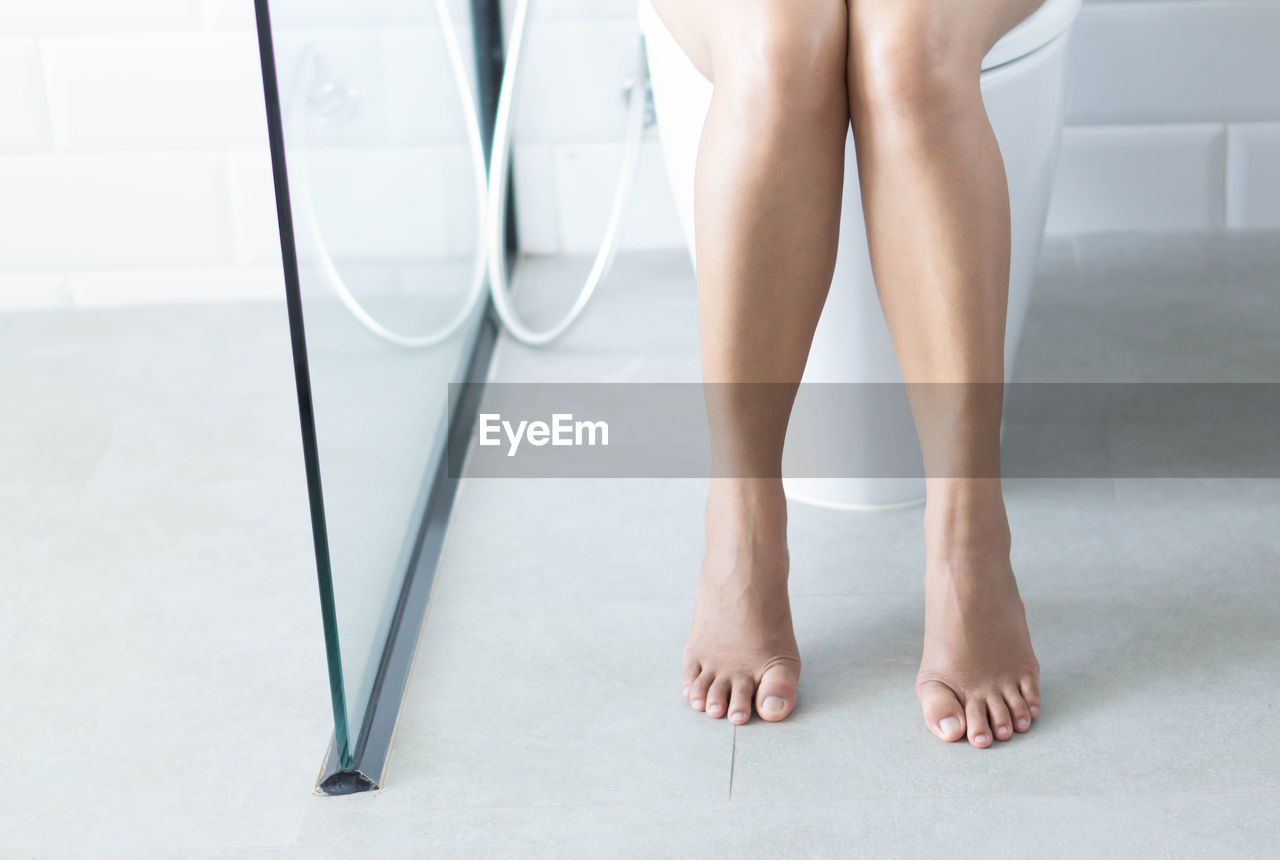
(1035,31)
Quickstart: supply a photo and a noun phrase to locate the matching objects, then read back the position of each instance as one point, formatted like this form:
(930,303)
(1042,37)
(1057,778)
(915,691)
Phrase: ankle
(746,509)
(965,518)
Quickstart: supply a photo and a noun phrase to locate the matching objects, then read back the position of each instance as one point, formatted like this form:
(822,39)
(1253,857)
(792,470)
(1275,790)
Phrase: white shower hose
(496,210)
(301,185)
(491,195)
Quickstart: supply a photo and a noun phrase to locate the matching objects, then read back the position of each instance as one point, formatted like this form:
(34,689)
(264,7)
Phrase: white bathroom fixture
(1023,87)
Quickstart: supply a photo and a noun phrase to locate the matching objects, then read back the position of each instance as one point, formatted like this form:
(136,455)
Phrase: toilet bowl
(1023,88)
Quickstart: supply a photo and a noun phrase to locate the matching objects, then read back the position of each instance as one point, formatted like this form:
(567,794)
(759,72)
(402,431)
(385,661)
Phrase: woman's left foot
(979,676)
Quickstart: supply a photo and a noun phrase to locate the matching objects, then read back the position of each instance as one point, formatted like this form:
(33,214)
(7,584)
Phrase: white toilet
(1023,87)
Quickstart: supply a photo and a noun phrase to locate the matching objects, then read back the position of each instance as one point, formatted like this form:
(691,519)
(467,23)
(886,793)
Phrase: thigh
(707,30)
(972,26)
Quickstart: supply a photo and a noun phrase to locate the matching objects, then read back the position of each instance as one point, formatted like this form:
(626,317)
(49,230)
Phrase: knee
(787,60)
(912,62)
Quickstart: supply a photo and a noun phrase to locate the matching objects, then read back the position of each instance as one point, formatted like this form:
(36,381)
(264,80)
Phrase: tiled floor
(544,716)
(162,682)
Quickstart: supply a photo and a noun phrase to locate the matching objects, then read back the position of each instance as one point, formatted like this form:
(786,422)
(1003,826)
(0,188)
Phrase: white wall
(132,140)
(133,148)
(124,128)
(1173,118)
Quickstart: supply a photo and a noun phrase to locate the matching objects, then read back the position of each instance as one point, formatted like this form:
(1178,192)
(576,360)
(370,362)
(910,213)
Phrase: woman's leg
(767,208)
(937,211)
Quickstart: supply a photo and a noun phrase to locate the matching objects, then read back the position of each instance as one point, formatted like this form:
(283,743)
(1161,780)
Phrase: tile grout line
(733,757)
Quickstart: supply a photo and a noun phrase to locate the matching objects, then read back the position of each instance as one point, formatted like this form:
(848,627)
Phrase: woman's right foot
(978,675)
(742,648)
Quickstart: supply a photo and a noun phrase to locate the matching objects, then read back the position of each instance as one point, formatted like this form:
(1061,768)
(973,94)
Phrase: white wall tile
(96,16)
(418,203)
(1253,176)
(171,91)
(341,86)
(145,211)
(537,197)
(33,292)
(102,289)
(1178,61)
(580,10)
(462,197)
(254,223)
(140,75)
(376,204)
(1139,178)
(228,14)
(586,178)
(571,81)
(22,98)
(419,81)
(288,14)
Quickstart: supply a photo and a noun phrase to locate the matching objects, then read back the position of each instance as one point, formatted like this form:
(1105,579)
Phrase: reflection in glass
(386,183)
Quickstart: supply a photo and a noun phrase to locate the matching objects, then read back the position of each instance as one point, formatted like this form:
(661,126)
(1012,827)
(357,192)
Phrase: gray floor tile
(630,540)
(557,700)
(1181,825)
(1186,532)
(1128,679)
(1068,535)
(642,325)
(158,607)
(1158,308)
(648,303)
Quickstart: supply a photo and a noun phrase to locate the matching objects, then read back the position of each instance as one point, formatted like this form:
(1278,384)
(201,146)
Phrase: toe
(776,694)
(975,712)
(698,690)
(692,668)
(718,697)
(1017,709)
(998,715)
(942,711)
(1030,688)
(740,700)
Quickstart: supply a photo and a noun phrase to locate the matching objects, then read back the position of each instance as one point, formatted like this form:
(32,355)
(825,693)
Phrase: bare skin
(789,78)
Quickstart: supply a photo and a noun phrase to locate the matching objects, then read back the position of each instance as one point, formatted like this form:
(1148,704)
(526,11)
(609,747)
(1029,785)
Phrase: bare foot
(979,676)
(742,648)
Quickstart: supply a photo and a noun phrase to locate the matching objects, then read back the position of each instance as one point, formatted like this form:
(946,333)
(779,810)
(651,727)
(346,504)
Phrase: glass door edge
(306,412)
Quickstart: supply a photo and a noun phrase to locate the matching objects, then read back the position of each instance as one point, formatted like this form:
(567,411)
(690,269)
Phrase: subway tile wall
(119,123)
(1173,117)
(133,164)
(133,151)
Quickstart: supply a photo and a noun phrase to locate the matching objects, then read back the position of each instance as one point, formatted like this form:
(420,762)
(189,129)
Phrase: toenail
(738,717)
(1022,723)
(1003,730)
(697,703)
(980,739)
(949,725)
(774,703)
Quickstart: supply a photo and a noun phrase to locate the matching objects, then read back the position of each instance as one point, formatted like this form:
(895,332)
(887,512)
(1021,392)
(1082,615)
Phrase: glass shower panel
(385,180)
